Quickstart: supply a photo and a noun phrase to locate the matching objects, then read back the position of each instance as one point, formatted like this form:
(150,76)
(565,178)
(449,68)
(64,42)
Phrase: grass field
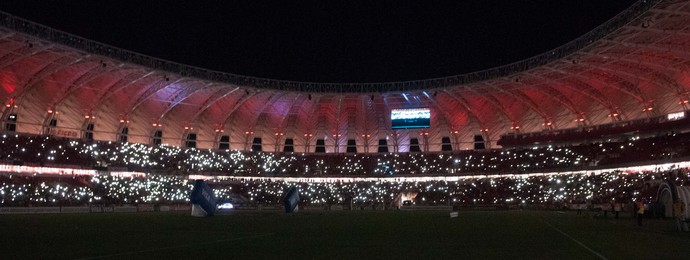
(339,235)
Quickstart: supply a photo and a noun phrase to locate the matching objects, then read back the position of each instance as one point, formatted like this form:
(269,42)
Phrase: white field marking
(575,240)
(176,247)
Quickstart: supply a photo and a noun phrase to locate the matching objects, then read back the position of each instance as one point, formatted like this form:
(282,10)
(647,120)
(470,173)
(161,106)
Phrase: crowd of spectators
(30,190)
(644,126)
(43,150)
(167,169)
(515,190)
(550,190)
(139,157)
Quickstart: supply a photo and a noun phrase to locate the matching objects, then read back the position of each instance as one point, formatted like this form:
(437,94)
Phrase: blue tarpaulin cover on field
(202,196)
(292,200)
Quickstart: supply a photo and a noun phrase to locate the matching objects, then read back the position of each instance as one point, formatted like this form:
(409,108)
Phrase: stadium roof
(328,41)
(634,66)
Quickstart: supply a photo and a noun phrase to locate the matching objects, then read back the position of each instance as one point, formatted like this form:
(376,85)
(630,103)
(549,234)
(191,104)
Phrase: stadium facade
(635,66)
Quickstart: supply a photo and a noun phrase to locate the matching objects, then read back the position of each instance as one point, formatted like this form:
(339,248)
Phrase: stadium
(101,147)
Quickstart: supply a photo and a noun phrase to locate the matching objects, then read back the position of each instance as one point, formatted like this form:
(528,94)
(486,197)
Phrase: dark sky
(328,40)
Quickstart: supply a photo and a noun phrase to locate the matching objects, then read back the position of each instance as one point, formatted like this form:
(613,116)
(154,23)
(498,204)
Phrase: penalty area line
(575,240)
(177,246)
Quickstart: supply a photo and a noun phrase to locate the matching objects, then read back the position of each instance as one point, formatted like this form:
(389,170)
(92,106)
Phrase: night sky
(328,41)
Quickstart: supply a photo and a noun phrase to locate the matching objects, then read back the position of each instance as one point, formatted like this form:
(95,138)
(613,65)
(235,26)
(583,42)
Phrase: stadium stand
(486,182)
(85,123)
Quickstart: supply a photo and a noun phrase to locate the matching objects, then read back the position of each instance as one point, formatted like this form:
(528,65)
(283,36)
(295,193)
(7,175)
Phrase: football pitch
(340,235)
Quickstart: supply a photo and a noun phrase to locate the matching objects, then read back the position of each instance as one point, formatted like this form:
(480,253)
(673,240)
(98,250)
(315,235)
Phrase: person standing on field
(617,208)
(640,212)
(679,215)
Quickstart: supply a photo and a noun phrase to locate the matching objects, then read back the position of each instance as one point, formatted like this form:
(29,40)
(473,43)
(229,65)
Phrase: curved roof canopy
(632,67)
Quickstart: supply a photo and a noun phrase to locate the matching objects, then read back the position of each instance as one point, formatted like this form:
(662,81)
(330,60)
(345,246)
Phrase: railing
(70,40)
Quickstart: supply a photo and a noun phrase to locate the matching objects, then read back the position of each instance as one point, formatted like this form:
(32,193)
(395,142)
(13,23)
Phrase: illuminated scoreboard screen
(410,118)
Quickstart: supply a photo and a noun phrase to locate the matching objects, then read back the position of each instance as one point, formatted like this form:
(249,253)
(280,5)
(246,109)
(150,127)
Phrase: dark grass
(338,235)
